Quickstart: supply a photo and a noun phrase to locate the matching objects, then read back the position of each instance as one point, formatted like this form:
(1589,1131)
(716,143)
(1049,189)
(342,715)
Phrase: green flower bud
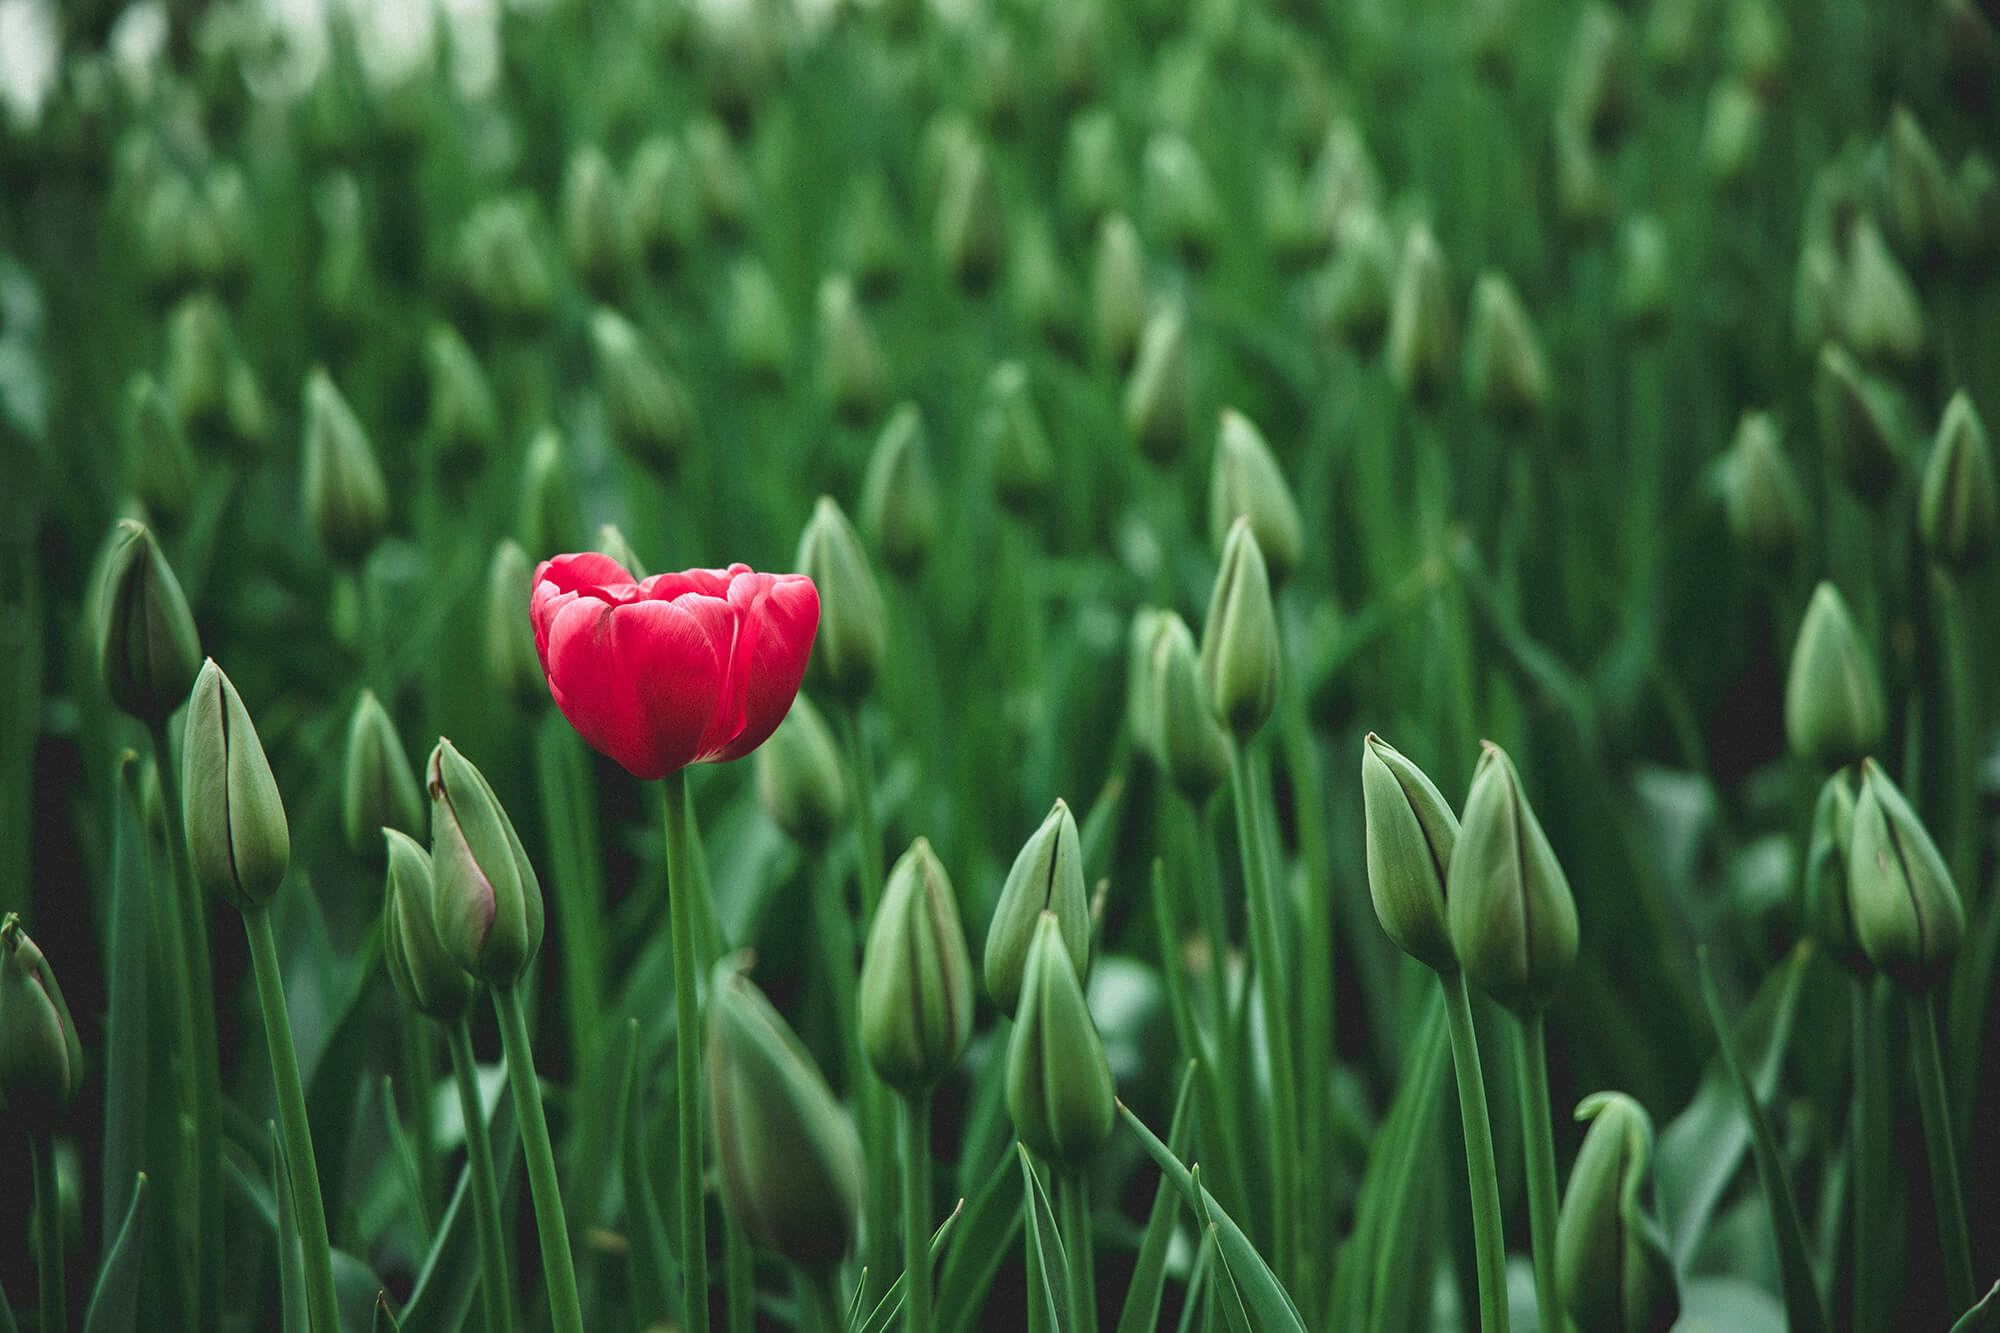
(1828,905)
(1907,914)
(1674,29)
(1583,191)
(200,350)
(1507,902)
(664,199)
(1857,422)
(1156,393)
(759,330)
(1879,313)
(1047,876)
(1016,445)
(170,215)
(1595,96)
(1247,482)
(1353,293)
(512,665)
(1978,187)
(1344,179)
(1732,133)
(1956,513)
(341,283)
(801,779)
(649,413)
(41,1059)
(788,1159)
(380,790)
(245,416)
(1190,743)
(1410,833)
(597,224)
(550,515)
(1239,640)
(871,242)
(915,1001)
(1091,181)
(1756,42)
(1505,371)
(1645,277)
(464,419)
(504,267)
(1923,201)
(1423,334)
(1816,288)
(157,457)
(418,966)
(1612,1266)
(850,361)
(996,77)
(486,899)
(970,233)
(1117,292)
(853,627)
(1761,494)
(340,486)
(899,499)
(1059,1089)
(1834,710)
(1180,199)
(722,181)
(611,541)
(147,648)
(1044,291)
(238,839)
(1139,677)
(1290,228)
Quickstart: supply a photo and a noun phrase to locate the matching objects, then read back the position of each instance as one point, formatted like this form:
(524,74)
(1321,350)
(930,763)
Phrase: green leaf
(890,1308)
(291,1256)
(114,1306)
(1048,1266)
(1983,1317)
(125,1035)
(449,1277)
(405,1154)
(643,1226)
(1149,1272)
(979,1246)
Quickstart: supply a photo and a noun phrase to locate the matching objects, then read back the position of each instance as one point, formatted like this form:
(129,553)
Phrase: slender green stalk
(1073,1195)
(872,1097)
(1944,1156)
(48,1232)
(203,1053)
(1868,1203)
(1489,1242)
(1266,938)
(419,1077)
(1539,1134)
(292,1120)
(1215,921)
(819,1303)
(1962,741)
(687,1045)
(496,1289)
(558,1268)
(917,1316)
(739,1277)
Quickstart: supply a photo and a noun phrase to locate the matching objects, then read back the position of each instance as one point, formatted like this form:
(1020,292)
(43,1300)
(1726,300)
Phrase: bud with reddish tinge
(41,1059)
(488,903)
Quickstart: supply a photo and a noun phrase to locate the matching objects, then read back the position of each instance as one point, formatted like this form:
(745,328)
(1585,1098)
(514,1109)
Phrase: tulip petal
(787,617)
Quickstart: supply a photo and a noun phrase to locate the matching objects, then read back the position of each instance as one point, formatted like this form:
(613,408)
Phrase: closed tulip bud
(1117,292)
(1828,907)
(1834,710)
(464,419)
(199,352)
(1156,393)
(169,218)
(1923,201)
(486,899)
(1410,832)
(1505,371)
(1047,876)
(41,1059)
(1354,292)
(1139,677)
(147,648)
(1674,29)
(157,457)
(1816,288)
(1423,333)
(1016,444)
(1907,914)
(1092,181)
(970,233)
(1289,226)
(1756,42)
(341,485)
(1507,901)
(1059,1089)
(1583,191)
(1239,640)
(341,282)
(422,972)
(597,225)
(503,264)
(1612,1266)
(512,665)
(550,516)
(1645,272)
(246,418)
(1879,314)
(788,1160)
(238,839)
(663,199)
(722,181)
(1180,199)
(850,361)
(1190,743)
(1344,178)
(649,413)
(1978,187)
(871,242)
(899,499)
(1044,290)
(611,541)
(1247,483)
(380,790)
(915,1001)
(1761,495)
(1732,133)
(758,328)
(1857,422)
(1595,96)
(800,778)
(853,627)
(1956,513)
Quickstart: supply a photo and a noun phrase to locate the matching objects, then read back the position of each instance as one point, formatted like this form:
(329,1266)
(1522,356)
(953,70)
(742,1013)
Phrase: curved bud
(800,778)
(1423,334)
(380,788)
(1047,876)
(899,499)
(850,360)
(1017,446)
(871,243)
(199,353)
(1857,424)
(1828,904)
(1355,291)
(504,268)
(427,977)
(1156,393)
(853,627)
(341,486)
(970,233)
(464,419)
(1907,914)
(1410,833)
(722,180)
(1762,498)
(758,327)
(1140,690)
(1834,710)
(914,1006)
(509,639)
(41,1059)
(147,648)
(1507,901)
(1733,131)
(1879,313)
(157,457)
(664,203)
(550,521)
(238,839)
(1190,742)
(648,411)
(1644,281)
(487,901)
(1505,371)
(1924,203)
(1596,98)
(597,225)
(1239,640)
(1957,511)
(1246,481)
(1059,1089)
(1180,198)
(1612,1266)
(1091,181)
(1117,291)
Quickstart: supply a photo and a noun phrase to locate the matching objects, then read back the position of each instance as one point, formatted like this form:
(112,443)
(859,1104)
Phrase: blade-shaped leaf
(125,1026)
(385,1319)
(979,1246)
(291,1257)
(449,1277)
(1048,1266)
(114,1306)
(890,1308)
(1983,1317)
(647,1233)
(1149,1273)
(405,1154)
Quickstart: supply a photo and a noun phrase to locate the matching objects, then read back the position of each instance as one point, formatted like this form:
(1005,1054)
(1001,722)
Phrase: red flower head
(677,669)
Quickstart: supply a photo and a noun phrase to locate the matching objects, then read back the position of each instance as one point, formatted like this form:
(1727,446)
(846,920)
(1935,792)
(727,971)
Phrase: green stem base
(558,1268)
(1489,1241)
(681,892)
(496,1290)
(1539,1131)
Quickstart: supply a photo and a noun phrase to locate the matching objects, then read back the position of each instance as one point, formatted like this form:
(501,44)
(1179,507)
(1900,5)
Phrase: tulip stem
(738,1275)
(1869,1185)
(1539,1131)
(495,1289)
(48,1230)
(558,1268)
(306,1201)
(197,1024)
(876,1115)
(1931,1104)
(1489,1242)
(687,1046)
(1073,1196)
(917,1213)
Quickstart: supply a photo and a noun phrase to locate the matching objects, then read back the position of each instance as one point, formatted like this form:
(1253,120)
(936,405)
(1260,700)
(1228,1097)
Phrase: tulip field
(1237,666)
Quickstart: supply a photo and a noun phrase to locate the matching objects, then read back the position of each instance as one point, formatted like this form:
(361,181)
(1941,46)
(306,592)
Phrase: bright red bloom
(679,669)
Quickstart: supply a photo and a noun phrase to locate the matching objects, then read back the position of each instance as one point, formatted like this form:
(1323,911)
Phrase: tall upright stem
(1943,1154)
(1489,1242)
(871,1095)
(558,1268)
(496,1289)
(292,1124)
(687,1046)
(1867,1165)
(1539,1133)
(1073,1191)
(48,1232)
(917,1213)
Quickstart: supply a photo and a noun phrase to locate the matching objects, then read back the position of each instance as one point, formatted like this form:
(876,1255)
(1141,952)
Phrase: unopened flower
(1059,1089)
(1507,901)
(1047,876)
(1834,709)
(486,901)
(239,841)
(147,647)
(914,1005)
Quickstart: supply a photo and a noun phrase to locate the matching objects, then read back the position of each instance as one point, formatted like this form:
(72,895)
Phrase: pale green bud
(1181,203)
(1239,640)
(1674,29)
(200,350)
(1117,291)
(1907,914)
(915,1001)
(1016,444)
(1761,495)
(1956,512)
(1047,876)
(853,627)
(1828,905)
(1733,132)
(1757,42)
(1612,1266)
(1923,201)
(611,541)
(512,665)
(1879,314)
(504,266)
(1978,186)
(722,180)
(551,519)
(1344,178)
(1507,901)
(1092,180)
(1353,293)
(157,457)
(899,499)
(1583,191)
(1289,226)
(1834,710)
(342,280)
(147,649)
(759,330)
(422,972)
(850,361)
(1816,290)
(245,415)
(464,418)
(1044,290)
(340,486)
(663,198)
(970,234)
(1423,333)
(1644,280)
(380,787)
(1596,97)
(238,839)
(1139,676)
(947,137)
(487,901)
(597,223)
(1857,422)
(1156,393)
(871,242)
(801,779)
(41,1058)
(1410,833)
(1246,482)
(1059,1088)
(1191,745)
(648,410)
(1505,371)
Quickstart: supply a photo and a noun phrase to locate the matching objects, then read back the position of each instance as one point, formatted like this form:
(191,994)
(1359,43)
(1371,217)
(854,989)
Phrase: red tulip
(677,669)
